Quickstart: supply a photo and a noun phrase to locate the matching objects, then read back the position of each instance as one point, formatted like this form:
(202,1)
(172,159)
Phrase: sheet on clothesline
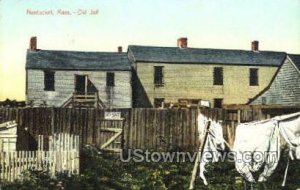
(256,145)
(290,130)
(214,143)
(261,140)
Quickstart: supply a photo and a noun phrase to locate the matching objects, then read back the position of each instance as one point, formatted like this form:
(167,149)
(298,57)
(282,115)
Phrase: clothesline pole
(199,154)
(285,173)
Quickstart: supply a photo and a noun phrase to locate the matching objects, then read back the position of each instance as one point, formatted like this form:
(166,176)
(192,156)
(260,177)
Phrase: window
(218,76)
(263,100)
(110,79)
(218,103)
(49,80)
(253,77)
(158,102)
(158,76)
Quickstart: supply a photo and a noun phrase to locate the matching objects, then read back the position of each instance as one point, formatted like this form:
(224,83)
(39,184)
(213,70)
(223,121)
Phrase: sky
(220,24)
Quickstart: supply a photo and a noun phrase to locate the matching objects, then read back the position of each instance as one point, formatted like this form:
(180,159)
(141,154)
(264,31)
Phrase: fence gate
(111,134)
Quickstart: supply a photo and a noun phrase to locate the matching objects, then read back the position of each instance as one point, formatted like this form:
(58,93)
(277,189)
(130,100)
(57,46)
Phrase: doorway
(81,84)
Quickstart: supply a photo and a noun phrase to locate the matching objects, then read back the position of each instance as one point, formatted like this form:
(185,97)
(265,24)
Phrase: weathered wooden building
(71,78)
(173,74)
(284,89)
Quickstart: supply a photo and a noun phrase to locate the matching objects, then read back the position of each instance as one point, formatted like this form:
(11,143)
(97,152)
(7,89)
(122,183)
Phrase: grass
(110,173)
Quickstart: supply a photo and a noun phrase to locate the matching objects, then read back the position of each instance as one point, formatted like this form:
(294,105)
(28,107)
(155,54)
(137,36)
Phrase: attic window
(253,79)
(158,76)
(110,79)
(49,80)
(218,76)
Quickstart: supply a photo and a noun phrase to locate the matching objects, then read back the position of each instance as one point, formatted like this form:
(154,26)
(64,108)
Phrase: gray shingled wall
(285,89)
(64,87)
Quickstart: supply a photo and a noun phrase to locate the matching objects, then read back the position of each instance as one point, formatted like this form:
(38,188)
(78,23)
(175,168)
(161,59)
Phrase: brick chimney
(33,42)
(254,45)
(120,49)
(182,42)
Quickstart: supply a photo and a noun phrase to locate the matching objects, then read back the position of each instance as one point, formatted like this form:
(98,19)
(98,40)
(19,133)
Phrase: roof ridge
(197,48)
(79,51)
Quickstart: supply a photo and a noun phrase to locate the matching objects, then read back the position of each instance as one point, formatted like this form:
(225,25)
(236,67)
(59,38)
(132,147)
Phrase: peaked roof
(296,60)
(76,60)
(199,55)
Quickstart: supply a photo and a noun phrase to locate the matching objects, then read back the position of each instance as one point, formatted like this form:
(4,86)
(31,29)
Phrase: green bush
(110,173)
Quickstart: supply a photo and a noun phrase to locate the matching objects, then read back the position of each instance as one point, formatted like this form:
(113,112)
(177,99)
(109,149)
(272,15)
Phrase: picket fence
(62,156)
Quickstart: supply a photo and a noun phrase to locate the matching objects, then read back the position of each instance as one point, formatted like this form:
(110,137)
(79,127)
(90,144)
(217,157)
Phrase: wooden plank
(162,128)
(89,128)
(69,120)
(94,127)
(181,130)
(127,129)
(147,130)
(139,128)
(134,127)
(109,129)
(142,129)
(155,124)
(111,140)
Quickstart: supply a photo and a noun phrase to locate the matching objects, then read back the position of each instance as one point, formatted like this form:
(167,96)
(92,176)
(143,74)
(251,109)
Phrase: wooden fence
(143,128)
(62,157)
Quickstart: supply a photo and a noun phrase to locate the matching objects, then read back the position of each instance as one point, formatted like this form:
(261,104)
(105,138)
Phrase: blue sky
(226,24)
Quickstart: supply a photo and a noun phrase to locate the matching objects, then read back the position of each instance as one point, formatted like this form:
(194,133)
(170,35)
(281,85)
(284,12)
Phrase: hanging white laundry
(213,145)
(257,144)
(289,126)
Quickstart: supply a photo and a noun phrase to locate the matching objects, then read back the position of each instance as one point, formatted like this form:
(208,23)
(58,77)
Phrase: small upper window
(49,80)
(158,76)
(218,76)
(110,79)
(263,100)
(253,80)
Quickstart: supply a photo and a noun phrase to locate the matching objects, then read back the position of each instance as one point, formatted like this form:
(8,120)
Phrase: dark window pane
(264,100)
(253,81)
(110,79)
(158,102)
(218,103)
(218,76)
(49,81)
(80,84)
(158,76)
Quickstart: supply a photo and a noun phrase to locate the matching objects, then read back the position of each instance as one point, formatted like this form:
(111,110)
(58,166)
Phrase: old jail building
(71,78)
(148,76)
(173,74)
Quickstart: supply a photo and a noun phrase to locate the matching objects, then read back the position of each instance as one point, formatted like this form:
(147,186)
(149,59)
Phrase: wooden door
(111,135)
(80,84)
